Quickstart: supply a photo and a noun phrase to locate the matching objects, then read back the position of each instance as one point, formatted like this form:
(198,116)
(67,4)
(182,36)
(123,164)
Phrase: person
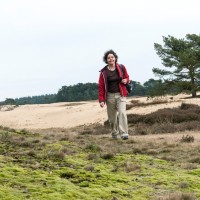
(112,92)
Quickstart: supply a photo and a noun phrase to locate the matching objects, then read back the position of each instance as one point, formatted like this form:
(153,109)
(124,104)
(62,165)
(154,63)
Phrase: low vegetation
(137,103)
(186,117)
(85,163)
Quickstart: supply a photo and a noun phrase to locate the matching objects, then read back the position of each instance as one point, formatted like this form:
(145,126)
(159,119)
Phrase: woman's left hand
(124,81)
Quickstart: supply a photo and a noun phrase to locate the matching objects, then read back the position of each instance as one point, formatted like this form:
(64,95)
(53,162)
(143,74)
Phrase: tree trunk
(194,94)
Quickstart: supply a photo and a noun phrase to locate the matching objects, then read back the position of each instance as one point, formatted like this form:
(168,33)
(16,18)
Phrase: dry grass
(155,101)
(130,167)
(178,196)
(187,138)
(73,104)
(184,113)
(145,138)
(164,146)
(169,120)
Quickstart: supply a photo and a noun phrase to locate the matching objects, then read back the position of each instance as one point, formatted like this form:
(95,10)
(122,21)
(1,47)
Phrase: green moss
(126,176)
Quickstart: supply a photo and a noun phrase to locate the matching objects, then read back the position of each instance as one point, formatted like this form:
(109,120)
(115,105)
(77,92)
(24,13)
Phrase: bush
(173,115)
(93,147)
(187,139)
(107,156)
(168,120)
(5,135)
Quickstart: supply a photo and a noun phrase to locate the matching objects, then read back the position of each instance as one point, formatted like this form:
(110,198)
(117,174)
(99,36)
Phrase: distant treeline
(85,92)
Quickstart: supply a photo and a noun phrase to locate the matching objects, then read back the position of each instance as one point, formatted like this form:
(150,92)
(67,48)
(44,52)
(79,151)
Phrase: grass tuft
(187,138)
(130,167)
(107,156)
(93,147)
(178,196)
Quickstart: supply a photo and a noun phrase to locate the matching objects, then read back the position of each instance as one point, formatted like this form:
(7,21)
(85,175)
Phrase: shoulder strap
(122,69)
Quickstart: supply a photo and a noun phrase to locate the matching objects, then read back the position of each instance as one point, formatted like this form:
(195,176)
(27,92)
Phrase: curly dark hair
(107,53)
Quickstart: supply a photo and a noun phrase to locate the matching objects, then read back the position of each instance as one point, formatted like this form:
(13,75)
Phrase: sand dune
(66,115)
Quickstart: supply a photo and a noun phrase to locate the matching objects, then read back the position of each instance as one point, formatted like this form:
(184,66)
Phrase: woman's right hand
(124,81)
(102,104)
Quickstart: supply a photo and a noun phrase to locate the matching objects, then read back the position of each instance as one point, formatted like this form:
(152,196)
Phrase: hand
(124,81)
(102,104)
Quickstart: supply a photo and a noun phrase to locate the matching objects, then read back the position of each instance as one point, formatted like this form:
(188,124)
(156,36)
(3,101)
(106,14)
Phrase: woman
(112,92)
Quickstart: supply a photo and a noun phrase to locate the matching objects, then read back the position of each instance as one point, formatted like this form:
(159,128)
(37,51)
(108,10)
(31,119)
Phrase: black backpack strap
(122,69)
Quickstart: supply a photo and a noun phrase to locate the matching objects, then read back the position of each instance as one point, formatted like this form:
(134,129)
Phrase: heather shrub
(173,115)
(187,138)
(167,120)
(137,103)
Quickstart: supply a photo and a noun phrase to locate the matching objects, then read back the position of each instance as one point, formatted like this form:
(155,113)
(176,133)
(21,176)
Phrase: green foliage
(42,99)
(5,135)
(155,88)
(181,57)
(79,92)
(138,89)
(8,101)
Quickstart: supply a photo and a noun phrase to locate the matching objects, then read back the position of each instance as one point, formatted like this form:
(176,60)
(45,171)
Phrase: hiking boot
(124,136)
(114,136)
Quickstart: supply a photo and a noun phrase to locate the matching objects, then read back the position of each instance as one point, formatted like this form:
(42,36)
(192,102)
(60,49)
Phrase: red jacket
(103,83)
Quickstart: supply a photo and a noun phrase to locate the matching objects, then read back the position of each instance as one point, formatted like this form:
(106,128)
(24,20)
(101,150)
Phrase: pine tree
(182,58)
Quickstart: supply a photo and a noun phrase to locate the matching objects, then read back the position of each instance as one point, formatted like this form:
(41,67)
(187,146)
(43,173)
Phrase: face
(111,59)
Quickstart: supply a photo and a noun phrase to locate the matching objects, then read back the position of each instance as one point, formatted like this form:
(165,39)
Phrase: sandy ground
(66,115)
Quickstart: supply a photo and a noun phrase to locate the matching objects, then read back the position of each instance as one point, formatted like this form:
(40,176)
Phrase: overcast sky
(46,44)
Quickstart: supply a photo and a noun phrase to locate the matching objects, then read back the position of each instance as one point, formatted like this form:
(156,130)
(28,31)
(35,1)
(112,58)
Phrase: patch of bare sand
(57,115)
(67,115)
